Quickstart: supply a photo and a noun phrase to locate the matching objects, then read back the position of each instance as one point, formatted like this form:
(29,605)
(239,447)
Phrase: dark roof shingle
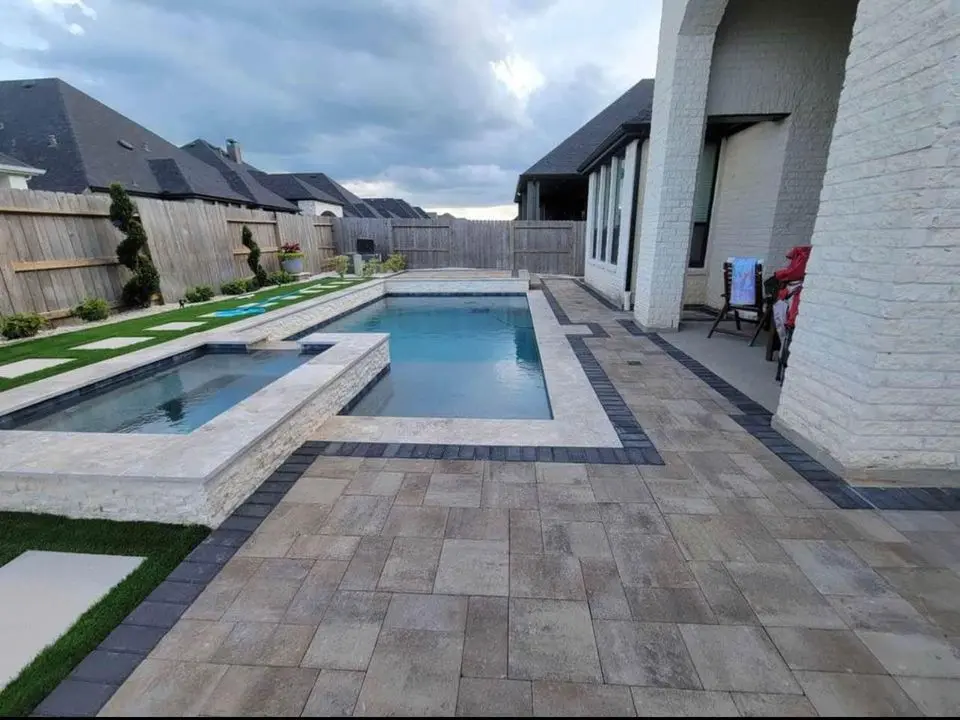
(634,106)
(13,162)
(238,176)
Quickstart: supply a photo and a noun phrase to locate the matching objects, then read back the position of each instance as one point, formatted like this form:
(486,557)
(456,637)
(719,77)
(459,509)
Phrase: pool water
(453,357)
(177,399)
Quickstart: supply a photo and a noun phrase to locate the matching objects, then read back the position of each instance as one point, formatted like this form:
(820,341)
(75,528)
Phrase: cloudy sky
(442,102)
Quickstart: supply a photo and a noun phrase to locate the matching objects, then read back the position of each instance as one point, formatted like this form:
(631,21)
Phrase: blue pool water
(177,399)
(453,357)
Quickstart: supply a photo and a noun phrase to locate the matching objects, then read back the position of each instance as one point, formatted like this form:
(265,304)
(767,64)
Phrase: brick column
(687,31)
(873,386)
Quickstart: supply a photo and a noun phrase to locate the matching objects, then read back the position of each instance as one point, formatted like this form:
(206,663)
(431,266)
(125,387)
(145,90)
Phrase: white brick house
(845,126)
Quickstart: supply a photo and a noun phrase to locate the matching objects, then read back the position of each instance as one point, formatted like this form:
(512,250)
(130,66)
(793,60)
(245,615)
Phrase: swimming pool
(174,399)
(453,357)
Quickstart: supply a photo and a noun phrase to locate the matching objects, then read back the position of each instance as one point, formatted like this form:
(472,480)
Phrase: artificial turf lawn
(60,346)
(162,546)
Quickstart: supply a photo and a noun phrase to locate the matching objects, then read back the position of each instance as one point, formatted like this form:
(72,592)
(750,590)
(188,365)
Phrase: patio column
(687,30)
(873,387)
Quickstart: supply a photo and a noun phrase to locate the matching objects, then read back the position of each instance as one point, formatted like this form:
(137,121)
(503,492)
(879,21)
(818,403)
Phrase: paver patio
(721,582)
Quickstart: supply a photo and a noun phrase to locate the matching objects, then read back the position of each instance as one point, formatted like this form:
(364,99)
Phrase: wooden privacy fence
(57,248)
(540,247)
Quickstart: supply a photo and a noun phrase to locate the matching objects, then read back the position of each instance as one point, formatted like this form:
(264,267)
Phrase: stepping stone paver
(175,326)
(113,343)
(30,365)
(43,593)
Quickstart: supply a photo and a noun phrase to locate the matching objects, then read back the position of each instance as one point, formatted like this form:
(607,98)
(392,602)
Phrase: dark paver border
(755,419)
(92,683)
(606,302)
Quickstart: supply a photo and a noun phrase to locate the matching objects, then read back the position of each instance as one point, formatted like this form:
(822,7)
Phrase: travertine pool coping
(579,419)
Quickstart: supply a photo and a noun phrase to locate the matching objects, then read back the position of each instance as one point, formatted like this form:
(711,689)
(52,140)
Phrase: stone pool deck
(721,582)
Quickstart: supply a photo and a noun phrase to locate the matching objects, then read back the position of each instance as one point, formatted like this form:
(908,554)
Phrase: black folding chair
(757,307)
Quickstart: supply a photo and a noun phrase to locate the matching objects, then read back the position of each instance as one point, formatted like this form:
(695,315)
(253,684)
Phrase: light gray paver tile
(861,525)
(552,640)
(266,545)
(767,705)
(635,653)
(670,702)
(708,538)
(511,472)
(269,691)
(575,512)
(454,490)
(640,517)
(620,490)
(580,539)
(324,547)
(729,605)
(165,688)
(412,672)
(411,565)
(509,495)
(914,655)
(881,614)
(460,467)
(739,658)
(441,613)
(414,521)
(934,696)
(562,473)
(847,695)
(308,605)
(223,590)
(364,569)
(291,519)
(410,465)
(324,491)
(334,467)
(648,560)
(562,494)
(824,650)
(357,515)
(563,699)
(473,567)
(782,595)
(348,633)
(919,521)
(268,593)
(478,524)
(375,483)
(412,489)
(605,593)
(265,644)
(834,569)
(525,532)
(192,640)
(487,697)
(485,643)
(879,555)
(334,694)
(550,576)
(684,605)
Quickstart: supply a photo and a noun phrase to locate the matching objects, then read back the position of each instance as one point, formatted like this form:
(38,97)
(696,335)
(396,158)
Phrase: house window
(617,203)
(604,210)
(594,210)
(702,203)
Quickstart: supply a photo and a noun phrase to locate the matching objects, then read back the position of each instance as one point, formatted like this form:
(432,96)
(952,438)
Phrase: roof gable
(238,175)
(635,105)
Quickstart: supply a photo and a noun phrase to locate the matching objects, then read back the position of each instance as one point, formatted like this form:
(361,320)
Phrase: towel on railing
(743,280)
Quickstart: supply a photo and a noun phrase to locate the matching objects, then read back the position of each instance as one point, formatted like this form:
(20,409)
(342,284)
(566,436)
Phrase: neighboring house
(14,173)
(84,146)
(310,199)
(553,188)
(229,163)
(836,125)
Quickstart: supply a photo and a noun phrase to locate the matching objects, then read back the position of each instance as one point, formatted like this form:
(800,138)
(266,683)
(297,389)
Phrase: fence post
(390,240)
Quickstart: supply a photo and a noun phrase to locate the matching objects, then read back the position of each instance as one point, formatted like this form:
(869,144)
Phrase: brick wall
(875,373)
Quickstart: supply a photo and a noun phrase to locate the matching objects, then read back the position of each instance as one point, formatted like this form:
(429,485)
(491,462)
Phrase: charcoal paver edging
(92,683)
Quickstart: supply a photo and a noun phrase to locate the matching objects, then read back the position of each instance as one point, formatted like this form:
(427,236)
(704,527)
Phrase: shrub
(370,268)
(92,309)
(290,250)
(200,293)
(253,284)
(253,259)
(395,263)
(341,263)
(132,252)
(281,277)
(22,325)
(234,287)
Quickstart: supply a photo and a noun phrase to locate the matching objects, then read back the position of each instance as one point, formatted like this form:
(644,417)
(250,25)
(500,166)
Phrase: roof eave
(623,135)
(21,170)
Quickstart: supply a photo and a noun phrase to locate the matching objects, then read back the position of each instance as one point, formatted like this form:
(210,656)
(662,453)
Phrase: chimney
(233,150)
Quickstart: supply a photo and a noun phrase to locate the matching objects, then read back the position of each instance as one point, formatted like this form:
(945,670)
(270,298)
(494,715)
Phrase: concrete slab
(49,591)
(176,326)
(113,343)
(31,365)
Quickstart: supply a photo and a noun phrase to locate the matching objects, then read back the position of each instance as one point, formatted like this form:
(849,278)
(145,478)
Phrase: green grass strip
(162,546)
(60,346)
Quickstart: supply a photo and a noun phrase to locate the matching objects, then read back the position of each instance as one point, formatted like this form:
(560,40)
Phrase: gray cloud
(395,92)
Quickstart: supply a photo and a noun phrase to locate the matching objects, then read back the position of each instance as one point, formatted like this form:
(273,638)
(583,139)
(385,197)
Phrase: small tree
(132,252)
(253,259)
